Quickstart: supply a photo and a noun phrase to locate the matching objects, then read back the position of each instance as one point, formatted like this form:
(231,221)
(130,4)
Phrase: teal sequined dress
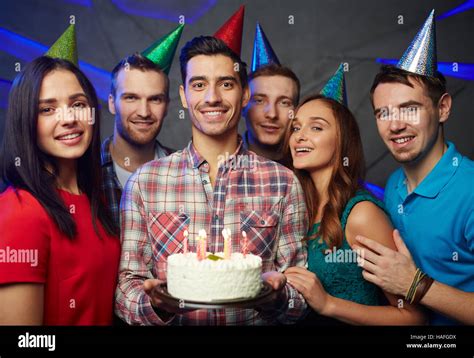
(338,270)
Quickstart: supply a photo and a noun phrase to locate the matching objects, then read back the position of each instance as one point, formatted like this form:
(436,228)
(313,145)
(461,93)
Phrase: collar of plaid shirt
(197,160)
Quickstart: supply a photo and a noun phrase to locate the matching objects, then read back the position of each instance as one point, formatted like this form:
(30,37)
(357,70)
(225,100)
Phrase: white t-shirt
(122,174)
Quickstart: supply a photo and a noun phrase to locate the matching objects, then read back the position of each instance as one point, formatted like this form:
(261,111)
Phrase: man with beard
(139,100)
(431,198)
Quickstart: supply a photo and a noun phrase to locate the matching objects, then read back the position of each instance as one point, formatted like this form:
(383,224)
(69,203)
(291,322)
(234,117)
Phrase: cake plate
(266,295)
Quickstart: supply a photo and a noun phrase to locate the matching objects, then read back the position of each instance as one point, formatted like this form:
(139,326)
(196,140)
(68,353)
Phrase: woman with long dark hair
(59,250)
(327,156)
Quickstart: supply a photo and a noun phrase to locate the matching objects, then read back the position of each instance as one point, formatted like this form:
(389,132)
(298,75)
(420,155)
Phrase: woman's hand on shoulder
(308,284)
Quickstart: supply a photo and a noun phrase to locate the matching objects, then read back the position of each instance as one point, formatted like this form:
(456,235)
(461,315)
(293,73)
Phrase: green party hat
(65,47)
(335,88)
(161,52)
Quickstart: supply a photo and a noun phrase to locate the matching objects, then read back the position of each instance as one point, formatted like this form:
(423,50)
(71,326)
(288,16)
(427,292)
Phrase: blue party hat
(335,88)
(263,53)
(420,57)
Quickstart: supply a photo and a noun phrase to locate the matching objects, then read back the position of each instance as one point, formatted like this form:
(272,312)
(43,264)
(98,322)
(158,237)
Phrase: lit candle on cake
(202,244)
(245,243)
(227,243)
(198,248)
(185,241)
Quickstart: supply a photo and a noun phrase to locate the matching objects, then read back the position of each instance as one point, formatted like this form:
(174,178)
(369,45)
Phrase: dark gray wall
(324,34)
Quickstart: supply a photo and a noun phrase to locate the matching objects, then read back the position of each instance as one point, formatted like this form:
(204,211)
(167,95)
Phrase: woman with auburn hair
(326,148)
(61,248)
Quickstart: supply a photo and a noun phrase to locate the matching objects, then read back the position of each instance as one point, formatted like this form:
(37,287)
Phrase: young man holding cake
(213,184)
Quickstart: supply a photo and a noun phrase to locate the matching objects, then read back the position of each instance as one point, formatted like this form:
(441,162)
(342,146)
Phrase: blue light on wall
(465,6)
(377,191)
(461,70)
(167,10)
(87,3)
(19,46)
(27,50)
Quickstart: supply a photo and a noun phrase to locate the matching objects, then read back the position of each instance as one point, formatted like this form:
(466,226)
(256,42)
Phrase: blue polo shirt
(436,221)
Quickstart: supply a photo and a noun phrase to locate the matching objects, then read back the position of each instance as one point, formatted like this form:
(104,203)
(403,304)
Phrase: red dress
(79,274)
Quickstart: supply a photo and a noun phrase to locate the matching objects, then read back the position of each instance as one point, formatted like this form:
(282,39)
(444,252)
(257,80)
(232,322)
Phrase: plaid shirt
(167,196)
(110,183)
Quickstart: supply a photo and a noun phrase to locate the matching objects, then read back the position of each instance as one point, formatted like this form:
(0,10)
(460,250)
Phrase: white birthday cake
(205,277)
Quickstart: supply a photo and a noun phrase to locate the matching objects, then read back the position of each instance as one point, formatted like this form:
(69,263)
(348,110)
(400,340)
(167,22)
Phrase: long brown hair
(20,141)
(347,175)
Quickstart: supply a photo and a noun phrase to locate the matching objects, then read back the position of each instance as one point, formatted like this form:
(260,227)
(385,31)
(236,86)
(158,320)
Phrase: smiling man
(431,197)
(139,102)
(435,182)
(274,93)
(200,187)
(138,99)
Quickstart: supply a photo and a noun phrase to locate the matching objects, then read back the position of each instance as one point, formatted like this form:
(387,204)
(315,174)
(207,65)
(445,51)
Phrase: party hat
(65,47)
(231,31)
(335,88)
(420,57)
(263,53)
(162,51)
